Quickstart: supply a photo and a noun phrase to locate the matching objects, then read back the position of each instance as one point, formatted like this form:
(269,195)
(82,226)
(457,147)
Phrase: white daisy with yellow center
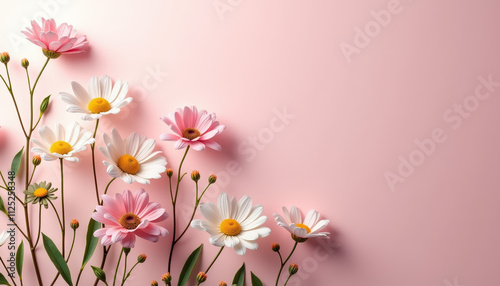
(132,159)
(301,230)
(102,98)
(233,224)
(62,143)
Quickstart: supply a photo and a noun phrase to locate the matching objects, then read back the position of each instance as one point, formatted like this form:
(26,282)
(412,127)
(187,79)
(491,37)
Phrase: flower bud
(141,258)
(74,224)
(4,58)
(154,283)
(222,283)
(294,268)
(44,105)
(275,247)
(25,63)
(170,172)
(195,175)
(99,273)
(212,179)
(37,160)
(166,278)
(201,277)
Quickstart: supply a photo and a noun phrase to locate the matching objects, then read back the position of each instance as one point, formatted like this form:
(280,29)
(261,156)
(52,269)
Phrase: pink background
(354,118)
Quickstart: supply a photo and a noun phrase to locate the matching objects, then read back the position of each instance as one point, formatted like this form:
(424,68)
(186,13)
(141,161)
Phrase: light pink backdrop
(357,110)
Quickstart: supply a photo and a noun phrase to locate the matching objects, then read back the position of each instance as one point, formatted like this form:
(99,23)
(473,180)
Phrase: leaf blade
(57,259)
(239,277)
(3,280)
(20,260)
(16,162)
(255,280)
(91,241)
(188,266)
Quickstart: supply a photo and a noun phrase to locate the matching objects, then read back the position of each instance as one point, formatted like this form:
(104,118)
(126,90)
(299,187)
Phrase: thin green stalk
(124,268)
(284,262)
(4,266)
(117,264)
(39,225)
(63,229)
(106,189)
(130,272)
(289,275)
(213,261)
(92,148)
(38,77)
(72,244)
(57,214)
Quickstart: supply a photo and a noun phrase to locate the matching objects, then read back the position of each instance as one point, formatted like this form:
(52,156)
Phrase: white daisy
(103,98)
(133,159)
(62,143)
(302,230)
(233,224)
(4,236)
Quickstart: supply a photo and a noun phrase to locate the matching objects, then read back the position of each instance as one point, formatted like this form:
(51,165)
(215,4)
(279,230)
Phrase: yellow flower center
(61,147)
(191,133)
(128,164)
(41,192)
(230,227)
(304,227)
(130,221)
(98,105)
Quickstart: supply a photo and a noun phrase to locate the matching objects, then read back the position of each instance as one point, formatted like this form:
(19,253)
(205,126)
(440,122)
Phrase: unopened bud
(222,283)
(154,283)
(201,277)
(275,247)
(44,105)
(212,179)
(141,258)
(37,160)
(166,278)
(25,63)
(294,268)
(99,273)
(74,224)
(170,172)
(195,175)
(4,58)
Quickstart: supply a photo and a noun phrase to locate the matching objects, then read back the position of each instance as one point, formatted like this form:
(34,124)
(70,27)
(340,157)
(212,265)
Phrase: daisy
(127,215)
(233,224)
(62,143)
(4,237)
(192,128)
(302,230)
(40,193)
(132,159)
(55,40)
(103,98)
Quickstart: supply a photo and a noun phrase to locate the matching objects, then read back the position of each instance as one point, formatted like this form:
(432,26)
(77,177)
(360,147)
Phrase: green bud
(44,105)
(99,273)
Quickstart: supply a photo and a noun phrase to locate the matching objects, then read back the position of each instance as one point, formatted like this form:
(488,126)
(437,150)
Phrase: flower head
(192,128)
(4,236)
(102,98)
(74,224)
(40,193)
(127,215)
(62,143)
(132,159)
(55,40)
(166,278)
(302,230)
(233,224)
(142,258)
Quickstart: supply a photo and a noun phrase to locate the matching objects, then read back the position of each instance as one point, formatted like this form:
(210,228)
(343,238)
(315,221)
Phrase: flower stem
(4,266)
(92,148)
(57,214)
(39,226)
(290,275)
(117,264)
(106,190)
(124,268)
(72,244)
(213,261)
(63,228)
(284,262)
(105,252)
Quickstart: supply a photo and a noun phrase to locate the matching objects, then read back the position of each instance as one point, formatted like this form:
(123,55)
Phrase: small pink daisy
(128,215)
(192,128)
(55,40)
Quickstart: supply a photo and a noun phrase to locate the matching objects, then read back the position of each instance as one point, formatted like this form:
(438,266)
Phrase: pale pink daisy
(55,40)
(192,128)
(128,215)
(300,229)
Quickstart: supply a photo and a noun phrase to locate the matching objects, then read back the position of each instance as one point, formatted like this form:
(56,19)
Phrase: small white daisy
(103,98)
(62,143)
(133,159)
(302,230)
(233,224)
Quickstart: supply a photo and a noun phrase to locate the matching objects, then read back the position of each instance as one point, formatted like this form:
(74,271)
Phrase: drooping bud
(201,277)
(275,247)
(212,179)
(25,63)
(4,58)
(154,283)
(195,175)
(141,258)
(74,224)
(170,172)
(166,278)
(294,268)
(37,160)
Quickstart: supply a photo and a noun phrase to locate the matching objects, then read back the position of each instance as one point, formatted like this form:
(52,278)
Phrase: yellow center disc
(128,164)
(230,227)
(41,192)
(60,147)
(98,105)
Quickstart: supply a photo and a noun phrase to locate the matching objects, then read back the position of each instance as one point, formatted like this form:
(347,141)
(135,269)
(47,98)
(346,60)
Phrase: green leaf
(239,277)
(188,266)
(56,258)
(16,162)
(2,207)
(99,273)
(3,280)
(20,259)
(91,242)
(44,105)
(255,280)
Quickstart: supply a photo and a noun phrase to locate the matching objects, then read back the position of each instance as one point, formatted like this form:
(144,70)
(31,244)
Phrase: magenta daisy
(55,40)
(127,215)
(192,128)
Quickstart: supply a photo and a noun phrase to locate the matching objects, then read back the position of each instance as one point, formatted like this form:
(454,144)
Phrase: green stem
(38,77)
(130,272)
(39,226)
(92,148)
(57,214)
(15,102)
(63,229)
(32,174)
(105,252)
(213,261)
(290,275)
(72,244)
(124,268)
(284,262)
(117,264)
(4,266)
(106,189)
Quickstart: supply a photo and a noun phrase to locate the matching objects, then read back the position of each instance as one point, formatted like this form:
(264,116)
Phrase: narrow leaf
(91,242)
(255,280)
(16,162)
(188,266)
(2,207)
(3,280)
(239,277)
(56,258)
(20,259)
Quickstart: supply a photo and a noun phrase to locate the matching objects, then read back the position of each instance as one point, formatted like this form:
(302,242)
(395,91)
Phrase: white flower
(103,98)
(302,230)
(62,143)
(132,159)
(233,224)
(4,236)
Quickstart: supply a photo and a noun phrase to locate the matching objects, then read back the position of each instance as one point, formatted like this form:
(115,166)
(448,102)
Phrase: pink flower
(192,128)
(55,40)
(128,215)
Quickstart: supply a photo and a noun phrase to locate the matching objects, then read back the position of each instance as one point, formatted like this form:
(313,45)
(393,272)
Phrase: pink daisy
(128,215)
(55,40)
(192,128)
